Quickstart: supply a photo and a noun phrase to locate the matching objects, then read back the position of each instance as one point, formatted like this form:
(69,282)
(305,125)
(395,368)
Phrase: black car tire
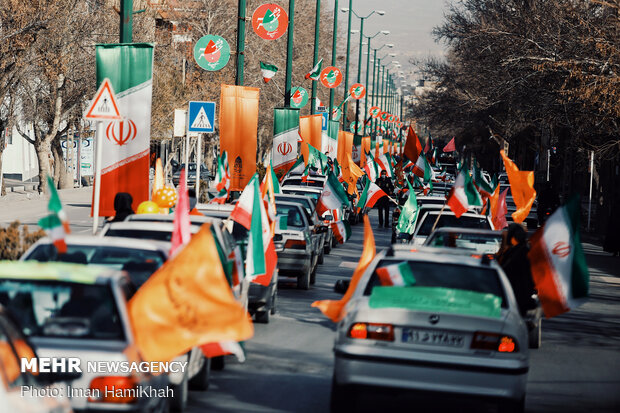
(313,276)
(327,248)
(334,242)
(303,281)
(218,363)
(342,398)
(321,258)
(274,300)
(201,380)
(262,317)
(178,403)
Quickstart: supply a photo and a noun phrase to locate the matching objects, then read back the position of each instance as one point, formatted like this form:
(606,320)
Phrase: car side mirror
(342,286)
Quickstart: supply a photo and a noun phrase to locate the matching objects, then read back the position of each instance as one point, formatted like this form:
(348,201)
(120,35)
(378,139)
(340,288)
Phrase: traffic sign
(104,106)
(325,117)
(201,117)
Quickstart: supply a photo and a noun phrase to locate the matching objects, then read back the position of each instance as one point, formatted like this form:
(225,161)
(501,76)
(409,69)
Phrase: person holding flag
(383,204)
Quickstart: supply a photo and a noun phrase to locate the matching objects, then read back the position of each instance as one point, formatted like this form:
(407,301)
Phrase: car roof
(302,188)
(468,231)
(194,219)
(439,255)
(466,214)
(133,243)
(294,196)
(57,271)
(148,226)
(215,207)
(289,204)
(298,175)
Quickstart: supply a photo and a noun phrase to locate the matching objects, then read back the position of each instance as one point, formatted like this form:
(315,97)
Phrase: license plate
(432,337)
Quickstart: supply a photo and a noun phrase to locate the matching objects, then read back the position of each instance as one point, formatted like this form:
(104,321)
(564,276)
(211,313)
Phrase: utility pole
(346,67)
(240,42)
(334,38)
(289,54)
(126,24)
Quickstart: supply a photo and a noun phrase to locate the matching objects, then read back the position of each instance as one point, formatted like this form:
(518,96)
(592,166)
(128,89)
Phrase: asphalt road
(289,361)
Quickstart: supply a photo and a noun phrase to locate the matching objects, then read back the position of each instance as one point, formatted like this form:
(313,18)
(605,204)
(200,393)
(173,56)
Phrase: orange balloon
(165,197)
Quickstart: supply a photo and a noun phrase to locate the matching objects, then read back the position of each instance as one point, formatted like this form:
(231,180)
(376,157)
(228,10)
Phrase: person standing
(383,204)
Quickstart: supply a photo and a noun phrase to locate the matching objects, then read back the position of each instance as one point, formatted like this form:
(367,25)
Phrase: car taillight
(494,342)
(113,389)
(372,331)
(296,244)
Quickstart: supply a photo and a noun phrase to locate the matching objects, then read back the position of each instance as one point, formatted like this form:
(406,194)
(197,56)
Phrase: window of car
(483,280)
(139,263)
(293,214)
(313,195)
(449,220)
(63,309)
(479,243)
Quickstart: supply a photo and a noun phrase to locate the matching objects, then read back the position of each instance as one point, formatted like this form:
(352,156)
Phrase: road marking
(348,264)
(611,280)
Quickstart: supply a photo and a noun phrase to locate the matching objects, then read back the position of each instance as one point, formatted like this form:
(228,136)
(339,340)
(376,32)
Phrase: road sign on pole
(201,117)
(103,106)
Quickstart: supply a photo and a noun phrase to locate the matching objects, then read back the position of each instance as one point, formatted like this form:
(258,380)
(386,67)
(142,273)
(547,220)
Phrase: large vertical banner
(125,147)
(331,144)
(356,153)
(311,133)
(345,144)
(285,138)
(238,132)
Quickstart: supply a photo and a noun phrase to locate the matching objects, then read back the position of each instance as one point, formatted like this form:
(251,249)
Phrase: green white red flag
(285,138)
(298,167)
(559,267)
(371,194)
(268,71)
(261,257)
(397,275)
(409,214)
(315,73)
(485,187)
(56,224)
(333,196)
(222,177)
(371,168)
(423,169)
(463,194)
(341,230)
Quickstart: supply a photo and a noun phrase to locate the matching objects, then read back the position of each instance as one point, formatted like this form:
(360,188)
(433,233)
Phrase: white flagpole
(590,198)
(98,156)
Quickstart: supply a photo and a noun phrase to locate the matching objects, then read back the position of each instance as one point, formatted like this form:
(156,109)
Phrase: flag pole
(98,156)
(590,198)
(438,216)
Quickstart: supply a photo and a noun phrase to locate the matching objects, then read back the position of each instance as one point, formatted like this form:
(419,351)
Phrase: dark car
(205,175)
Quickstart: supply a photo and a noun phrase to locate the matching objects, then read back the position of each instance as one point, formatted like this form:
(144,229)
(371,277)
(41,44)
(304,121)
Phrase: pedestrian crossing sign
(201,117)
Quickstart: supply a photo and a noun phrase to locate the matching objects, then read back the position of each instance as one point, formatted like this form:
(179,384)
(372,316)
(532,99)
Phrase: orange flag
(311,133)
(333,309)
(351,173)
(413,147)
(521,188)
(238,132)
(365,148)
(345,146)
(186,303)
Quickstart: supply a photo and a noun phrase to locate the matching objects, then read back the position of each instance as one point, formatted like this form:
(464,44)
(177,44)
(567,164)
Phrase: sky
(410,23)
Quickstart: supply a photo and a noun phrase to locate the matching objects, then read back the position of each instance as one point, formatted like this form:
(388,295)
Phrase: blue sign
(201,117)
(325,118)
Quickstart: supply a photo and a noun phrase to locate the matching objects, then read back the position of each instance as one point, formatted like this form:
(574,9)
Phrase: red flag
(499,216)
(450,147)
(181,232)
(413,147)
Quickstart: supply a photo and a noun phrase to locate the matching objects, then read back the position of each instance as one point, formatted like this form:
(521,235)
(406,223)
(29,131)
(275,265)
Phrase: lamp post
(374,79)
(334,38)
(289,54)
(317,23)
(346,69)
(240,43)
(369,38)
(126,24)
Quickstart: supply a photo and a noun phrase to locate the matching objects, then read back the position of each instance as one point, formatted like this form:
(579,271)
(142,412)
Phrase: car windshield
(479,243)
(448,220)
(442,275)
(313,195)
(305,202)
(63,309)
(289,216)
(138,263)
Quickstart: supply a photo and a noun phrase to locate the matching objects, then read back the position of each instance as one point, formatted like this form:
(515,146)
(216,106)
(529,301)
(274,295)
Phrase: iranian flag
(222,177)
(268,71)
(463,195)
(333,196)
(298,167)
(125,147)
(371,168)
(261,257)
(383,162)
(242,213)
(341,230)
(397,275)
(558,263)
(371,194)
(485,187)
(423,169)
(315,73)
(409,213)
(56,224)
(285,137)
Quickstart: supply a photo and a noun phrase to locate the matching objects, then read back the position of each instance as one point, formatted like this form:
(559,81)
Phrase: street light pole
(240,42)
(126,24)
(334,38)
(374,87)
(289,54)
(346,70)
(317,24)
(359,75)
(366,85)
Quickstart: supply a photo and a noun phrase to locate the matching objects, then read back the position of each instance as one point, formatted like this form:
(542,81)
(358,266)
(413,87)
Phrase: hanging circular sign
(336,114)
(299,97)
(374,111)
(352,126)
(331,77)
(269,21)
(211,52)
(382,130)
(384,116)
(357,91)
